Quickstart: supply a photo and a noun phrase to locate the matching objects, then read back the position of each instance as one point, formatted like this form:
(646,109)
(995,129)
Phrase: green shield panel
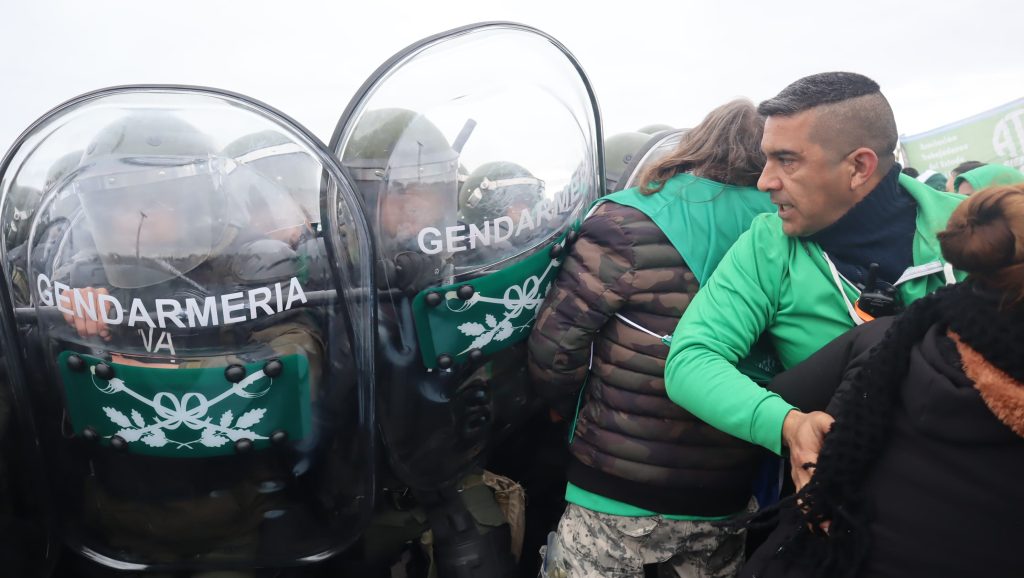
(499,313)
(186,412)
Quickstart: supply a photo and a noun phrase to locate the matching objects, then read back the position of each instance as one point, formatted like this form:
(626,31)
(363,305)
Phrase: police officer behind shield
(183,261)
(493,200)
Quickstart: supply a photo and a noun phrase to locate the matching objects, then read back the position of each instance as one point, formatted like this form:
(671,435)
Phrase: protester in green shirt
(843,205)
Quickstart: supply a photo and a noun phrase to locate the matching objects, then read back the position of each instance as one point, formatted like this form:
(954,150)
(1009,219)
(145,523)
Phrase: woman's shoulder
(630,232)
(623,219)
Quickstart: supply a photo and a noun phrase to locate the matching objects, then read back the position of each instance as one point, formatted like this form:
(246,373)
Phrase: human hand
(84,324)
(804,434)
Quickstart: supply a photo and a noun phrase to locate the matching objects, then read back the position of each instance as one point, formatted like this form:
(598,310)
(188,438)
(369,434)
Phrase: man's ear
(865,163)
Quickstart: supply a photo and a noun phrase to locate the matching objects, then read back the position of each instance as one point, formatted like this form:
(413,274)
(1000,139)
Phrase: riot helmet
(19,211)
(619,150)
(657,147)
(62,167)
(22,197)
(651,129)
(149,134)
(407,172)
(280,160)
(498,189)
(146,188)
(155,219)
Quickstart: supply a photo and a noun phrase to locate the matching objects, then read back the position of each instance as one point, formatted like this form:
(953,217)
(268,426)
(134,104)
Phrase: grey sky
(664,62)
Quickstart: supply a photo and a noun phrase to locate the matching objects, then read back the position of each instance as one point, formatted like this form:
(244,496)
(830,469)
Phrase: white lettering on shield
(163,341)
(469,236)
(161,312)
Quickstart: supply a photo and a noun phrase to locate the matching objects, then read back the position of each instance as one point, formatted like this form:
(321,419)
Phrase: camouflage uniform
(594,545)
(631,443)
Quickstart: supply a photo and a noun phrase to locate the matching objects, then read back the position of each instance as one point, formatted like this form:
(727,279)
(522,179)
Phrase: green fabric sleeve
(718,329)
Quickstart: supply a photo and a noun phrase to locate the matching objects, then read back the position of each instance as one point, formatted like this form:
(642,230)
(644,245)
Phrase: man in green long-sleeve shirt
(796,274)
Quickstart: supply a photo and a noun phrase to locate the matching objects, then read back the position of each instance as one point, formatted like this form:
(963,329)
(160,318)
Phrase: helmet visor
(156,218)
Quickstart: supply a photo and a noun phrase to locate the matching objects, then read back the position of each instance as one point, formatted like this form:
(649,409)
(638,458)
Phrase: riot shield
(475,151)
(195,349)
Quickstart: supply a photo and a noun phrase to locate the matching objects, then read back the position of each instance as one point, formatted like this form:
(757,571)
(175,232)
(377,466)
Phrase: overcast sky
(649,61)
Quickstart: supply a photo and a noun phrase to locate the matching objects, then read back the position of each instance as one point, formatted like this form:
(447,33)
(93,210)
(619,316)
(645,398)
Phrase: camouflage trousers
(590,544)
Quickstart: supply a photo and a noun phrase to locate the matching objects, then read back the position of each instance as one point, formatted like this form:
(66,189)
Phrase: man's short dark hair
(854,112)
(817,90)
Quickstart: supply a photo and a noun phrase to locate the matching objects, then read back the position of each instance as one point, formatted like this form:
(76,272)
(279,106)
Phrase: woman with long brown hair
(647,480)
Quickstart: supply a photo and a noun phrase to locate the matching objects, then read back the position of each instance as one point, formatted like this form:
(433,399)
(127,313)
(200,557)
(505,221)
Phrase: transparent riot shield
(194,342)
(476,153)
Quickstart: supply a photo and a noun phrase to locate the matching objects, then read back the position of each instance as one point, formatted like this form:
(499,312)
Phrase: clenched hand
(804,434)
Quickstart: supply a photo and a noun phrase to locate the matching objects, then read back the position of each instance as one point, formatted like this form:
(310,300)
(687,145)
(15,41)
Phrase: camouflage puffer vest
(631,442)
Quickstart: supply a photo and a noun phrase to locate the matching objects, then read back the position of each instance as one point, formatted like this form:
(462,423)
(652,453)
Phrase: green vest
(700,217)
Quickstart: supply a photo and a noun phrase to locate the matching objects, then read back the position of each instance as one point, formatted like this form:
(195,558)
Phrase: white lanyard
(666,339)
(842,292)
(910,273)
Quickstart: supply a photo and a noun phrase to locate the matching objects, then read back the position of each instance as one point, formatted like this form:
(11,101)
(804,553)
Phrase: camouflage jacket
(631,442)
